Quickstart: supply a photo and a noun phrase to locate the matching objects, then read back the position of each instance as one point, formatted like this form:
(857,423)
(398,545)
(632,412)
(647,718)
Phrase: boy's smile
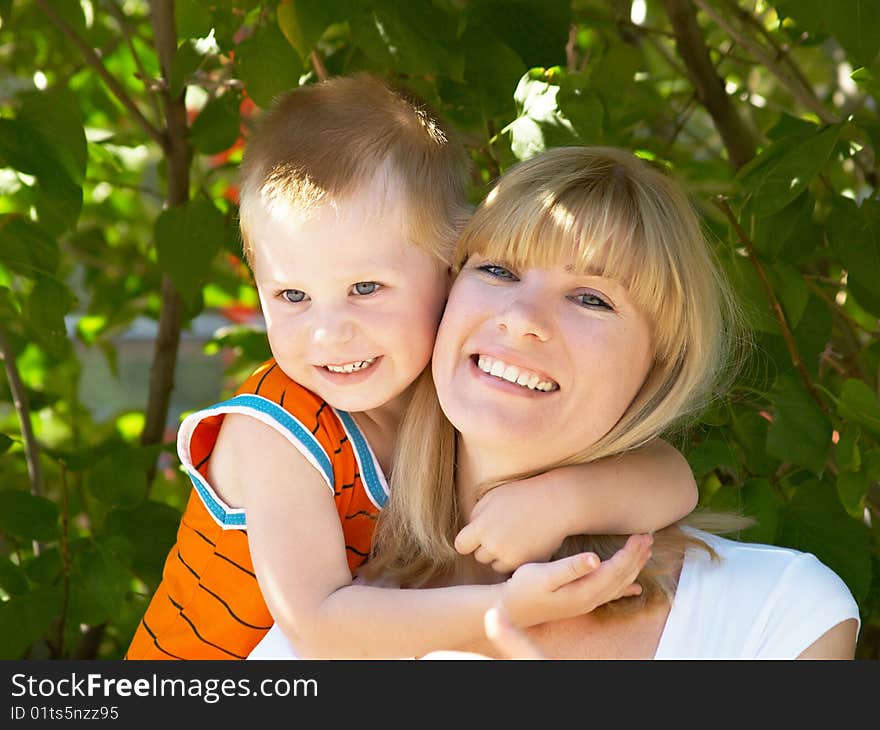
(351,305)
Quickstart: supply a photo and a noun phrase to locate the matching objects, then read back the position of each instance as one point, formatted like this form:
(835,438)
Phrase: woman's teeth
(351,367)
(513,374)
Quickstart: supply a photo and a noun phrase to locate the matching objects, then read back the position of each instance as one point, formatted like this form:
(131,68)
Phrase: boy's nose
(333,328)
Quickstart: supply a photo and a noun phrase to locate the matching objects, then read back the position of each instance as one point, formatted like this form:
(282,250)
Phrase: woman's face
(538,363)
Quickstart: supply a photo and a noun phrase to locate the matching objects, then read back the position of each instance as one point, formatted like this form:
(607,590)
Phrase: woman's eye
(591,300)
(362,288)
(497,272)
(294,296)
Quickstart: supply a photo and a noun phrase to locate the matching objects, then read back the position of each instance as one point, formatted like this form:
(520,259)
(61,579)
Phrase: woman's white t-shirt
(757,602)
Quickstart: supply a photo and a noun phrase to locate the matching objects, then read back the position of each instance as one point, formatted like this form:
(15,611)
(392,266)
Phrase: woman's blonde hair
(617,216)
(321,142)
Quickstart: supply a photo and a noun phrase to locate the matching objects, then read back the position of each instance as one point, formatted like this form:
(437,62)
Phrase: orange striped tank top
(209,605)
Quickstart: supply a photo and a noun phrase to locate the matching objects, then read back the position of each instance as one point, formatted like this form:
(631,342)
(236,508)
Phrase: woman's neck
(479,464)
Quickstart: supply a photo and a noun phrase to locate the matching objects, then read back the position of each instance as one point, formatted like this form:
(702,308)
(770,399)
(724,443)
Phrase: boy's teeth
(350,367)
(513,374)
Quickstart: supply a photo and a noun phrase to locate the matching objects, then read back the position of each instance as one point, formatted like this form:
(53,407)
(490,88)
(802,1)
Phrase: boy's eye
(294,296)
(497,272)
(588,299)
(362,288)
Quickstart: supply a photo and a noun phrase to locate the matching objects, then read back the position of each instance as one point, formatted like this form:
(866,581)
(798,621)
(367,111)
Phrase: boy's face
(351,306)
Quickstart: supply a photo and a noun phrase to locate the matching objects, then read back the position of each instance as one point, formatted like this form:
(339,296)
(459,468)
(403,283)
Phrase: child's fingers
(567,570)
(484,556)
(467,540)
(623,567)
(510,641)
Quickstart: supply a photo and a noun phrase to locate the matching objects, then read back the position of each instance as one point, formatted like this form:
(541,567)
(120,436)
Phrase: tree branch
(787,336)
(709,86)
(318,65)
(117,13)
(95,62)
(790,80)
(179,155)
(19,400)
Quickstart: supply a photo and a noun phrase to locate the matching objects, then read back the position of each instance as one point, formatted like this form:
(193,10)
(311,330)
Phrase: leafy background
(124,303)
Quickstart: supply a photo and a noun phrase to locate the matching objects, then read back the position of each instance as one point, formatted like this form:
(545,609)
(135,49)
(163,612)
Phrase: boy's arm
(527,520)
(298,552)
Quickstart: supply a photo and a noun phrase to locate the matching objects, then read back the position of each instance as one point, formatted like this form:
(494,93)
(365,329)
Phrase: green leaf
(816,522)
(615,72)
(537,30)
(851,489)
(55,114)
(858,403)
(188,237)
(150,530)
(27,516)
(492,71)
(846,451)
(582,107)
(45,568)
(267,65)
(756,498)
(187,60)
(250,341)
(58,203)
(812,333)
(303,22)
(192,19)
(750,290)
(782,171)
(5,443)
(759,500)
(45,308)
(800,432)
(854,23)
(791,289)
(751,429)
(58,198)
(790,234)
(217,126)
(853,234)
(30,615)
(540,124)
(12,577)
(99,584)
(415,37)
(711,454)
(119,479)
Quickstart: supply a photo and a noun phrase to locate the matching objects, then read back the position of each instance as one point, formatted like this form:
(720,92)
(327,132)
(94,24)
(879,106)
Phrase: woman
(588,268)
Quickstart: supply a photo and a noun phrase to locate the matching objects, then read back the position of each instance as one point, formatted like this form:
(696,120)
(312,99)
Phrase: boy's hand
(510,641)
(540,592)
(515,523)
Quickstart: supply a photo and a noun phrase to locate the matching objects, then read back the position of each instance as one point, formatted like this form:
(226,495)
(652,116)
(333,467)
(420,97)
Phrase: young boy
(351,199)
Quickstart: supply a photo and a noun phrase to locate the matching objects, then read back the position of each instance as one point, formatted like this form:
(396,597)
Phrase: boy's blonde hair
(322,142)
(613,215)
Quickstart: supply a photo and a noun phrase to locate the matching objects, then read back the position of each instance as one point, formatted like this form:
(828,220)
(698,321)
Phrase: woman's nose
(525,317)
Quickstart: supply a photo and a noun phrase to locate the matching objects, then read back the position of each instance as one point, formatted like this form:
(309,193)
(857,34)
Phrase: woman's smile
(499,372)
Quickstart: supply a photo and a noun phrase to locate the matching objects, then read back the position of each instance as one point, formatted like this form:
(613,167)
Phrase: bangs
(598,230)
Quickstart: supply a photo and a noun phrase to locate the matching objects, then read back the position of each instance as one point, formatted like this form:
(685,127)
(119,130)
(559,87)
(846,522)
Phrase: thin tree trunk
(178,157)
(709,86)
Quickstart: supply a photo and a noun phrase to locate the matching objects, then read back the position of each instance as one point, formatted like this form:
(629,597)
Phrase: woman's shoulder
(769,565)
(773,601)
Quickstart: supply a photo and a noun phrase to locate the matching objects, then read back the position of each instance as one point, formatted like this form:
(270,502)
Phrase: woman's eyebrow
(589,271)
